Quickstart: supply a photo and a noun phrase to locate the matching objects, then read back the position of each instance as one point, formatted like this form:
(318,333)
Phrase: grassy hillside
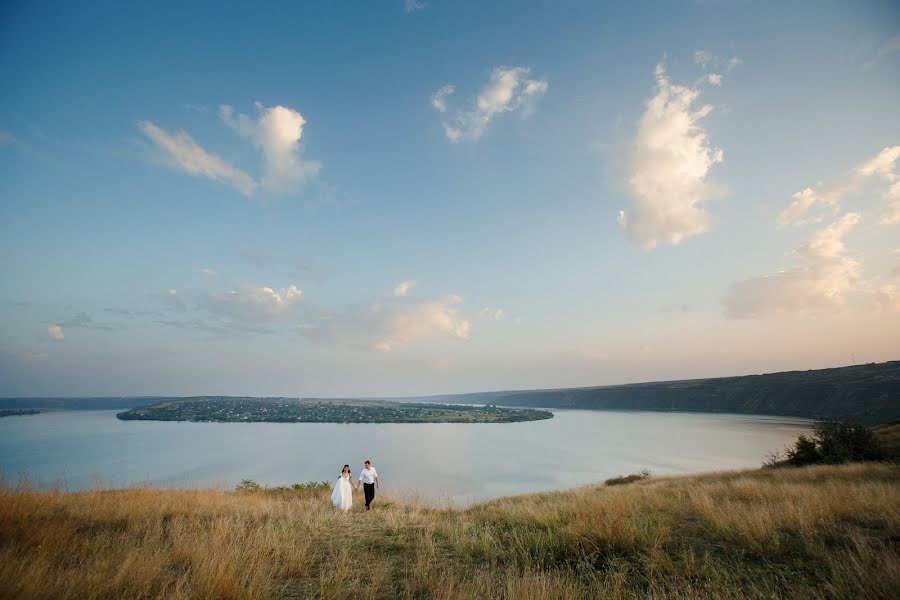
(866,393)
(777,533)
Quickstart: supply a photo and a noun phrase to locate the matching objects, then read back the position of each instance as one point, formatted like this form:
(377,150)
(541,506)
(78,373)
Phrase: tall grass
(824,531)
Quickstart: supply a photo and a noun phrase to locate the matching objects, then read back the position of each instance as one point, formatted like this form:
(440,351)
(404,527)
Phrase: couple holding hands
(342,495)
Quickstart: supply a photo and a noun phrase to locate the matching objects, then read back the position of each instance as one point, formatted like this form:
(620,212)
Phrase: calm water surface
(452,462)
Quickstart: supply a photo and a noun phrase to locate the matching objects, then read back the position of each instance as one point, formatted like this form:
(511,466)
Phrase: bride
(342,496)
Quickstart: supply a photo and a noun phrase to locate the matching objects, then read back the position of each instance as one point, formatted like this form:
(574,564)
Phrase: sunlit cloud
(253,304)
(670,164)
(276,132)
(387,324)
(508,90)
(56,333)
(439,98)
(403,288)
(825,273)
(880,169)
(180,152)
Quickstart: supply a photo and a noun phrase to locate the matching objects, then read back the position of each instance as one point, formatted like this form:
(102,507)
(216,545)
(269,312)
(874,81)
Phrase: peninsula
(229,409)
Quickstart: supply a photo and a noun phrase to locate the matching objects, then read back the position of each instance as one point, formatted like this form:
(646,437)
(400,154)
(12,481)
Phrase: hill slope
(866,393)
(831,532)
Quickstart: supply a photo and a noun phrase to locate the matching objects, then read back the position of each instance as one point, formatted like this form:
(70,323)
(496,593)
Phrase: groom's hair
(367,463)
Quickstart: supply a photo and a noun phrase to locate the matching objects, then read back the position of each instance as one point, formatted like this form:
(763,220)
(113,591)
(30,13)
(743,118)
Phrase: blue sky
(384,197)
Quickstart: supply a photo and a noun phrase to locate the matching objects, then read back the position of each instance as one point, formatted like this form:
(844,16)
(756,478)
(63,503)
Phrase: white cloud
(277,132)
(670,163)
(880,167)
(410,6)
(439,98)
(253,304)
(889,47)
(497,314)
(207,272)
(55,332)
(403,288)
(707,60)
(821,280)
(882,164)
(807,198)
(508,90)
(892,215)
(182,153)
(390,323)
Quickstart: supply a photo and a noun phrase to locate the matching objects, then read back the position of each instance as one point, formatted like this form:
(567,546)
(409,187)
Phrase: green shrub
(846,442)
(312,485)
(832,442)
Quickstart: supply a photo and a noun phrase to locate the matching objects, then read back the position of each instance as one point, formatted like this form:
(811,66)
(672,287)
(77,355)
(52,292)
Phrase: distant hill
(105,403)
(866,393)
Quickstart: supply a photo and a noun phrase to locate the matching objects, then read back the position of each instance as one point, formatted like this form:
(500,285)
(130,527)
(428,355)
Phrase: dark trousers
(369,491)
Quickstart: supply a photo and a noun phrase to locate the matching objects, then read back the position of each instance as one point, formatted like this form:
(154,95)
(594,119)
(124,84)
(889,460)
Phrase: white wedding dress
(342,496)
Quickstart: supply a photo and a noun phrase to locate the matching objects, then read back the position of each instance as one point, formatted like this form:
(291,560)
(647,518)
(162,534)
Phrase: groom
(369,478)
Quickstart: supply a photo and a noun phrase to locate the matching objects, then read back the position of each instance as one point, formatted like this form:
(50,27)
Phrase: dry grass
(784,533)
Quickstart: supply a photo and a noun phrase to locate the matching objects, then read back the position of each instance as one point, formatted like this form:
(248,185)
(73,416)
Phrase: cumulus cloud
(820,281)
(55,332)
(879,168)
(403,288)
(387,324)
(276,132)
(180,152)
(670,163)
(508,90)
(439,98)
(253,304)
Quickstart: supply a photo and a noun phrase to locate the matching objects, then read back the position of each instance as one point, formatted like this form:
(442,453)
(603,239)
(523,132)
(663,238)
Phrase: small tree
(844,442)
(804,452)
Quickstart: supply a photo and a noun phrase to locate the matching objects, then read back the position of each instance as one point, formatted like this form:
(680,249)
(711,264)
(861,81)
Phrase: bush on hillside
(832,442)
(640,475)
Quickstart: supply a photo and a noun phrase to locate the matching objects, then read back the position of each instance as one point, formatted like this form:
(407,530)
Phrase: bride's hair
(346,468)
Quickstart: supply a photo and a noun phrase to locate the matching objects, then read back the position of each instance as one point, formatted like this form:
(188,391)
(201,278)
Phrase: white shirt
(368,475)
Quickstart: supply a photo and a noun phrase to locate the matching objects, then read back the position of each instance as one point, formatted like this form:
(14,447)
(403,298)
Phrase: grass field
(828,531)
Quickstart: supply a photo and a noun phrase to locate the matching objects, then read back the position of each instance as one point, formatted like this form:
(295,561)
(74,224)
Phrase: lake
(454,463)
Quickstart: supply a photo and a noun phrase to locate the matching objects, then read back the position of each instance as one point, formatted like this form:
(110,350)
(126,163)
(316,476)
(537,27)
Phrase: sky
(418,197)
